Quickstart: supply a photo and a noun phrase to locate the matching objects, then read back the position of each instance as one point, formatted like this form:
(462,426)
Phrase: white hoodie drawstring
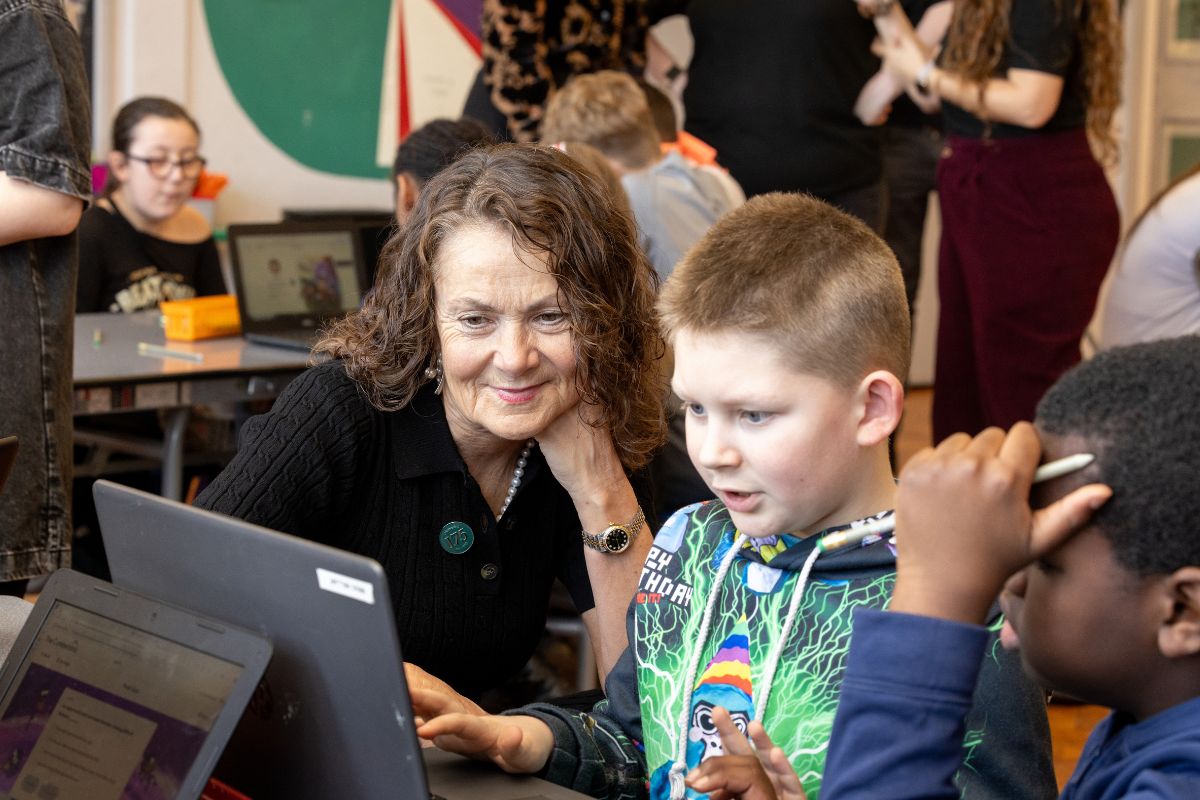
(675,775)
(760,708)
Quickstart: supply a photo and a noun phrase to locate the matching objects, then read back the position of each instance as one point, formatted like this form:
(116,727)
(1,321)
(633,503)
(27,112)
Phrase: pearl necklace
(518,473)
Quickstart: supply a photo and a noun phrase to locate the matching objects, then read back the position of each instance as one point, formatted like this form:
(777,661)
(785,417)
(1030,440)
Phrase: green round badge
(456,537)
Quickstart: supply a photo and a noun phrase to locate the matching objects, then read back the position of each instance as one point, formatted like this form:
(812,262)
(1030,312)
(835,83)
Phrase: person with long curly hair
(475,425)
(1029,224)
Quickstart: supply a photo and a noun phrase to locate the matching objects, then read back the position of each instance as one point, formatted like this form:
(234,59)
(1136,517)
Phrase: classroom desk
(111,377)
(458,778)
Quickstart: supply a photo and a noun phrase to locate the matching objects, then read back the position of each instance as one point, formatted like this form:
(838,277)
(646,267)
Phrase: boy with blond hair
(790,331)
(674,202)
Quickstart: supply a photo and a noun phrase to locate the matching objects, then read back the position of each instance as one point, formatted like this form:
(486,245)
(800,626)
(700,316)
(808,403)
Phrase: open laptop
(375,227)
(108,695)
(293,277)
(334,719)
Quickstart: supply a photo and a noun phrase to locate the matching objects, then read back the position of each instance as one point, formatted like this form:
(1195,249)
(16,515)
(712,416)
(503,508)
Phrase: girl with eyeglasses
(141,243)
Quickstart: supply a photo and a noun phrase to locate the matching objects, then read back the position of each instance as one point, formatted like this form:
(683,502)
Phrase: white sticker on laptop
(346,586)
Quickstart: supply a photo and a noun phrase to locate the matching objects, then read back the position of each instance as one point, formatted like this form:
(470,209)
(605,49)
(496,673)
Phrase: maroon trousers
(1029,227)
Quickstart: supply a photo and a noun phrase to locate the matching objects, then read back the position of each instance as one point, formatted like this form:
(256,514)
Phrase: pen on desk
(1046,472)
(158,351)
(97,337)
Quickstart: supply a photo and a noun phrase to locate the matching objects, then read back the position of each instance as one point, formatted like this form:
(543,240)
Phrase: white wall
(163,47)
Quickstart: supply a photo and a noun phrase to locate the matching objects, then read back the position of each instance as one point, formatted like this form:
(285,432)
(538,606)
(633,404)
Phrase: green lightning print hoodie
(761,627)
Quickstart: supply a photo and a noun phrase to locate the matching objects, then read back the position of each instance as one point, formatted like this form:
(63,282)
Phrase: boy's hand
(963,522)
(450,700)
(515,744)
(742,772)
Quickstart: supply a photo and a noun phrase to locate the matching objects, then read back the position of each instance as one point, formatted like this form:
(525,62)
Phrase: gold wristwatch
(616,538)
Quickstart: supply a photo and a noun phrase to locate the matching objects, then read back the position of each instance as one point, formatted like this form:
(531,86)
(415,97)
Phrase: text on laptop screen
(104,711)
(297,273)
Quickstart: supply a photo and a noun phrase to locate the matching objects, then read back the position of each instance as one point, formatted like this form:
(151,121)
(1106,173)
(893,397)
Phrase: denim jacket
(45,135)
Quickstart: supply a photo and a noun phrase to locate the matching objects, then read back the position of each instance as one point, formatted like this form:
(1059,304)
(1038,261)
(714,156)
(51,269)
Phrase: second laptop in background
(291,278)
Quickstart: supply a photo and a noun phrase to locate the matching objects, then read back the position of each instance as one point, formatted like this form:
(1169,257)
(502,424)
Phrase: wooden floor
(1069,724)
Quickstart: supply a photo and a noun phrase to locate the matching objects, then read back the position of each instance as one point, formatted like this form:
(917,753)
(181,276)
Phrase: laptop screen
(103,710)
(295,273)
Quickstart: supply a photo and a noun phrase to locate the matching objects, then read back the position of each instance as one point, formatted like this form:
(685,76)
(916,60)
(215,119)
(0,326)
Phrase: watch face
(616,539)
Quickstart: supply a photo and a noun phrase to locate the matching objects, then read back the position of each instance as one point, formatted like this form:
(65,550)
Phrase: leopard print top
(531,47)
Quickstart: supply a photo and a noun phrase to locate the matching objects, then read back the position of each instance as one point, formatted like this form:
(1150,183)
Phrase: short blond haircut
(802,274)
(594,162)
(608,111)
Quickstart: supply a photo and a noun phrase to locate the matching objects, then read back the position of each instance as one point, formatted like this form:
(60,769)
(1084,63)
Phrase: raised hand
(964,525)
(761,772)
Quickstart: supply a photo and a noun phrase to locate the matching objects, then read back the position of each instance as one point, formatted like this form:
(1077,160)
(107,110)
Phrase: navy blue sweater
(898,731)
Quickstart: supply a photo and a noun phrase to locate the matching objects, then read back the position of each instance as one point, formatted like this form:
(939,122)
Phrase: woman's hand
(516,744)
(902,52)
(582,456)
(874,102)
(449,700)
(584,460)
(761,772)
(905,50)
(1024,97)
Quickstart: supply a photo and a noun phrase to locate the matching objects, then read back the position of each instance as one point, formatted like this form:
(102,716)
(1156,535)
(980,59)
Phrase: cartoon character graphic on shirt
(679,589)
(724,683)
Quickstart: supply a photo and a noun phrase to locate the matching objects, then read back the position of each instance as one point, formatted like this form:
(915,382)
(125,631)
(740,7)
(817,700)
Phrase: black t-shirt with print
(1043,37)
(123,269)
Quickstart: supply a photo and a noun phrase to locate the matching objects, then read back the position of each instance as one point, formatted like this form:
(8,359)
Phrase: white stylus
(1053,469)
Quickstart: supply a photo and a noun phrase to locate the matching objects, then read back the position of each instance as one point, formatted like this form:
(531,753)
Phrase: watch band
(617,536)
(924,74)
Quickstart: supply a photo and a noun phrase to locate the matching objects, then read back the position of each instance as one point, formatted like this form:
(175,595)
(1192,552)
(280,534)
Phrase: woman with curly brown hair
(1029,224)
(475,426)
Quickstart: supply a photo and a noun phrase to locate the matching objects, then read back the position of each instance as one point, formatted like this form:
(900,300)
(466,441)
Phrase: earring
(435,373)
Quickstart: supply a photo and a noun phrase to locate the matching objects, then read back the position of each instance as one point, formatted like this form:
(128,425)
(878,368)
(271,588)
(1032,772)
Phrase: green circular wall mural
(307,73)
